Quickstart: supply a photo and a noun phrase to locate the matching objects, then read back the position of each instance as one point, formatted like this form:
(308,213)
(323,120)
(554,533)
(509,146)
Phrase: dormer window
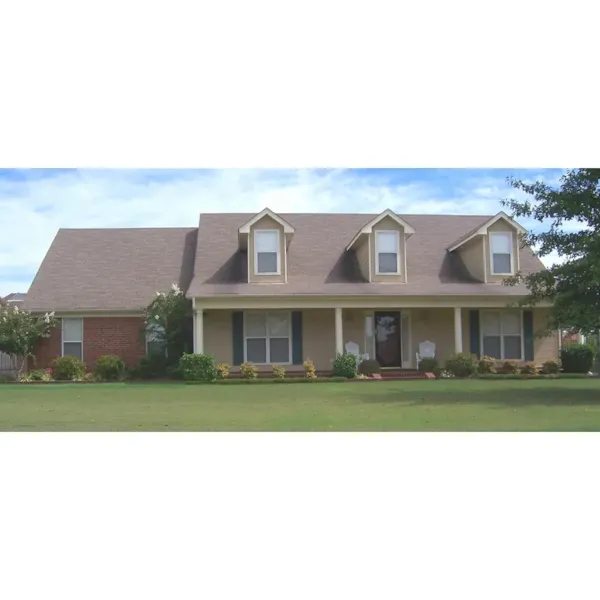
(266,252)
(501,253)
(387,247)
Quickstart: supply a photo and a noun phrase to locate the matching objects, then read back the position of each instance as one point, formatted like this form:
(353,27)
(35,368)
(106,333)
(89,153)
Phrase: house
(277,288)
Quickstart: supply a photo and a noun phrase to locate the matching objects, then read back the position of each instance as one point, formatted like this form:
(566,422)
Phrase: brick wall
(47,350)
(113,335)
(101,335)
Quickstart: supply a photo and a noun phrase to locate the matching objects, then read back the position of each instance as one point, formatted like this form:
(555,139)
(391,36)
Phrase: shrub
(428,365)
(345,365)
(68,368)
(487,364)
(40,375)
(198,367)
(462,364)
(309,369)
(248,370)
(369,367)
(510,367)
(174,372)
(529,368)
(550,367)
(153,366)
(109,367)
(577,358)
(223,370)
(278,372)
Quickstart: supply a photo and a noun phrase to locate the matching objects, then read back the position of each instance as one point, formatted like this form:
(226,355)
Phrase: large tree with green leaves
(20,331)
(573,284)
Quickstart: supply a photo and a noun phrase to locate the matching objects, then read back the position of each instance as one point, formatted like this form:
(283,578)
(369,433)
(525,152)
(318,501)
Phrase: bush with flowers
(169,320)
(20,331)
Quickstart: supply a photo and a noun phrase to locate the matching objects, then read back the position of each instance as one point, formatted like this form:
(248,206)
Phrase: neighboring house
(278,288)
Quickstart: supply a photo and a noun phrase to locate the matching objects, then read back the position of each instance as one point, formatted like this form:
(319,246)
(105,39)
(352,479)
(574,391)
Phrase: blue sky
(35,203)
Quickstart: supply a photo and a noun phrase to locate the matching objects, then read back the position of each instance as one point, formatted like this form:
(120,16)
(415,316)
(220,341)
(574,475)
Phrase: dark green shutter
(474,332)
(297,337)
(528,334)
(237,327)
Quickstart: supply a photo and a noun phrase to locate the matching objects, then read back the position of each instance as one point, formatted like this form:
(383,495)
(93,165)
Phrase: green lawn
(559,405)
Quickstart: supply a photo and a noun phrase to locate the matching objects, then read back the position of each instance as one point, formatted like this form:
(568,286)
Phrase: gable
(495,223)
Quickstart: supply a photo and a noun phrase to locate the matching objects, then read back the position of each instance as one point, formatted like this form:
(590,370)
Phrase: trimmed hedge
(198,367)
(68,368)
(577,358)
(110,367)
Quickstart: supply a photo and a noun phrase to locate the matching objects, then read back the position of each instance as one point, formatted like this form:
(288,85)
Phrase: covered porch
(276,333)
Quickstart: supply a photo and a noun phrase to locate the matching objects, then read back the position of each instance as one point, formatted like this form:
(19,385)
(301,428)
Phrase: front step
(395,374)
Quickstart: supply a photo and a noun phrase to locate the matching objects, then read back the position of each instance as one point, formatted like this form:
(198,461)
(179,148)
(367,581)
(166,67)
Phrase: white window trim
(512,254)
(267,336)
(397,234)
(521,333)
(62,335)
(256,271)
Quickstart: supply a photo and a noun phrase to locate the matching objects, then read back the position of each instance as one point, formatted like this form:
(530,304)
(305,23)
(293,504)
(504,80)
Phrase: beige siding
(266,223)
(362,256)
(218,335)
(545,344)
(390,225)
(472,256)
(435,325)
(500,225)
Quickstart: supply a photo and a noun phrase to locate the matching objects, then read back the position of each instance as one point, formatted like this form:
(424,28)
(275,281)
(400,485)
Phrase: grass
(449,405)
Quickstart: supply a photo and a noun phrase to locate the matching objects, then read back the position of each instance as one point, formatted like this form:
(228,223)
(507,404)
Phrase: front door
(388,339)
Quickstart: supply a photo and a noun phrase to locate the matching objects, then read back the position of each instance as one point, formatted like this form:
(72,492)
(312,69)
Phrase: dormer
(380,248)
(266,238)
(491,251)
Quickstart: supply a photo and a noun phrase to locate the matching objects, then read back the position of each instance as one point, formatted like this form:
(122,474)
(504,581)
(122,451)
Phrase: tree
(20,331)
(169,318)
(572,286)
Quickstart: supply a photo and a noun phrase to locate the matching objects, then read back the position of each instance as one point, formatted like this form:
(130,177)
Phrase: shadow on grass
(501,398)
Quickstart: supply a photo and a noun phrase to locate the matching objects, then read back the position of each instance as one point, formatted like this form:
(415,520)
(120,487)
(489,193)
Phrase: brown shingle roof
(318,263)
(111,269)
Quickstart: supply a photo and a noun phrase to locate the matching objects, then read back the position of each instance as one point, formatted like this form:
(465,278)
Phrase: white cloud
(33,207)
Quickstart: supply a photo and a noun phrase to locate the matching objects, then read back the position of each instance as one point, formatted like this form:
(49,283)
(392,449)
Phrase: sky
(35,203)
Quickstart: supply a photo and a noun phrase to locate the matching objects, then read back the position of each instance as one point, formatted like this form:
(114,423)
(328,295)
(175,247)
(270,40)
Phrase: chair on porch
(353,348)
(426,350)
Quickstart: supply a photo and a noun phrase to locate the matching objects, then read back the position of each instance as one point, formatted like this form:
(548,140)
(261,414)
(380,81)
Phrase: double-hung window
(268,337)
(266,252)
(502,334)
(501,252)
(387,249)
(72,337)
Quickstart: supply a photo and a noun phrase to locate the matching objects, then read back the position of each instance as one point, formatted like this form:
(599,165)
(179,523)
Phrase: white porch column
(339,332)
(458,345)
(198,332)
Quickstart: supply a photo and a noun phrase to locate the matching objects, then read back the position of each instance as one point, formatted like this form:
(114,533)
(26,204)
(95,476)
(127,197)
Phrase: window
(268,337)
(266,252)
(502,334)
(155,343)
(72,338)
(387,248)
(501,244)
